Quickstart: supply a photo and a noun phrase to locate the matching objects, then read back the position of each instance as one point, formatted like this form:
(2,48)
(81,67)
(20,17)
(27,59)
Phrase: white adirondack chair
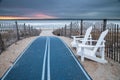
(94,52)
(87,36)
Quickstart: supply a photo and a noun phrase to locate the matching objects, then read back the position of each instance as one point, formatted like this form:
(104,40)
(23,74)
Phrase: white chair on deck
(94,52)
(76,39)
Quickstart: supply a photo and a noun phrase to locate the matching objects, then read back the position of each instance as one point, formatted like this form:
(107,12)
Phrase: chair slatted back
(100,40)
(87,34)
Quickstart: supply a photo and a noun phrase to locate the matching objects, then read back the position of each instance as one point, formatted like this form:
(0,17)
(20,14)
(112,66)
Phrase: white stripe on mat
(48,66)
(76,60)
(44,61)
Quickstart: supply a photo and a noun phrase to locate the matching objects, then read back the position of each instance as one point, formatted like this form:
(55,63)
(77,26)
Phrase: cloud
(0,1)
(61,8)
(40,16)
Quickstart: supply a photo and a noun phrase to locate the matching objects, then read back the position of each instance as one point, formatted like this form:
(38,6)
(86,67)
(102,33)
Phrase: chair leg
(102,52)
(82,56)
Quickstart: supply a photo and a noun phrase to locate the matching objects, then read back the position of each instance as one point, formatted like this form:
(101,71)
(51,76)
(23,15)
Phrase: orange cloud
(12,17)
(42,16)
(34,16)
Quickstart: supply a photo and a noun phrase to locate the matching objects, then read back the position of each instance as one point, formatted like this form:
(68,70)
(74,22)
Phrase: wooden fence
(113,43)
(12,32)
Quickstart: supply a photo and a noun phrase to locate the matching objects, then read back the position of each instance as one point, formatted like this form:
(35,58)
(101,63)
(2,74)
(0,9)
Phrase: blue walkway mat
(47,58)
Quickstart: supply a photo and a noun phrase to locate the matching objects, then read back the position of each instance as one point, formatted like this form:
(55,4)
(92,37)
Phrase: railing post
(104,24)
(118,41)
(24,30)
(31,30)
(2,46)
(18,36)
(59,32)
(62,32)
(70,29)
(81,27)
(65,30)
(0,27)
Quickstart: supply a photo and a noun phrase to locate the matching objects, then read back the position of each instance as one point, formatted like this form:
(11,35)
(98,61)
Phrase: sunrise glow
(34,16)
(42,16)
(12,17)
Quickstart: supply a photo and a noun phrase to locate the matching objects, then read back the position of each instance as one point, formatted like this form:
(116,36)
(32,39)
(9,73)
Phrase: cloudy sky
(44,9)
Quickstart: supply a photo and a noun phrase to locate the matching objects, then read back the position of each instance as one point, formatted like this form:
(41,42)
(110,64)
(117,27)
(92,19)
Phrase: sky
(52,9)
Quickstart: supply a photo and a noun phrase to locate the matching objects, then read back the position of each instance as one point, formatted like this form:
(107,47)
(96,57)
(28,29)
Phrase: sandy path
(97,71)
(47,33)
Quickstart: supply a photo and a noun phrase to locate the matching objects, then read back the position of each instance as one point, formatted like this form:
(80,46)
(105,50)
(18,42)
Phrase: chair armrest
(90,46)
(78,36)
(93,40)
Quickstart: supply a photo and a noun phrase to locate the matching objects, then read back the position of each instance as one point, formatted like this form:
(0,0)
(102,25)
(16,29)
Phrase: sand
(97,71)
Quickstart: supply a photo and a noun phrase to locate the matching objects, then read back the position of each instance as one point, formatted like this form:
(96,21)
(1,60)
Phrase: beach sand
(98,71)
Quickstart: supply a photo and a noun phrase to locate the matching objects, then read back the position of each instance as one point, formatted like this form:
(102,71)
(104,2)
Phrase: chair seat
(87,51)
(74,44)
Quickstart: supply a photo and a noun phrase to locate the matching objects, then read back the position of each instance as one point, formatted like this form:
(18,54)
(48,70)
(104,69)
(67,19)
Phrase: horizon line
(63,19)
